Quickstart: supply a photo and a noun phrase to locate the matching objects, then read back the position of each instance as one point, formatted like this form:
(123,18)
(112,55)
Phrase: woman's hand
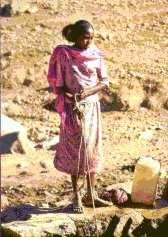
(70,96)
(84,94)
(63,90)
(91,91)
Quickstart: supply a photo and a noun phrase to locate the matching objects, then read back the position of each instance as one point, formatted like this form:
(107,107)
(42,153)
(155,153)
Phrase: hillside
(133,36)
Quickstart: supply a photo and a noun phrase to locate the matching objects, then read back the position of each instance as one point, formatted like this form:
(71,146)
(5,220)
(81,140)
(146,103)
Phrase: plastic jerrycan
(145,180)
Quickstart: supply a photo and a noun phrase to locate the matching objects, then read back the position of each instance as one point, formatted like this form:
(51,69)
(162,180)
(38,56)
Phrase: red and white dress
(78,69)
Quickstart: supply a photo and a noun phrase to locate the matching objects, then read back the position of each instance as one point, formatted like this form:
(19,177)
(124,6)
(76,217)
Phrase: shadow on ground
(24,212)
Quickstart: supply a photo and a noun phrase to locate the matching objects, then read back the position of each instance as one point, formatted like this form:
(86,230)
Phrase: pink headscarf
(55,72)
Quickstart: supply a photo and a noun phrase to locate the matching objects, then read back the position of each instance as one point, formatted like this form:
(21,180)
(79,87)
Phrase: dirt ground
(137,47)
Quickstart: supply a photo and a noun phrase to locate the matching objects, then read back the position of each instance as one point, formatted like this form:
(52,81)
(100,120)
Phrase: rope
(81,119)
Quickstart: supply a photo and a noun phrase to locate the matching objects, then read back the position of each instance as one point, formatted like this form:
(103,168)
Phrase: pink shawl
(55,72)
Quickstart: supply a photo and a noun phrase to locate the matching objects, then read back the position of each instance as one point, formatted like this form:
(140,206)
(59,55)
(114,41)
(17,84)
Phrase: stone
(155,102)
(31,9)
(20,7)
(48,194)
(38,224)
(27,82)
(6,10)
(101,36)
(51,143)
(131,73)
(110,36)
(132,97)
(29,220)
(139,76)
(4,202)
(10,109)
(45,205)
(12,131)
(43,165)
(159,127)
(20,73)
(8,54)
(17,99)
(165,191)
(21,164)
(147,134)
(41,136)
(31,71)
(154,141)
(38,28)
(163,173)
(4,64)
(46,5)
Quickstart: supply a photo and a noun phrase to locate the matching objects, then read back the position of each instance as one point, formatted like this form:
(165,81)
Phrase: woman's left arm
(102,84)
(93,90)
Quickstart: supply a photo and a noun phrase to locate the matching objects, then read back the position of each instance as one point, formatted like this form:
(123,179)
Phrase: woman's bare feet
(98,202)
(77,204)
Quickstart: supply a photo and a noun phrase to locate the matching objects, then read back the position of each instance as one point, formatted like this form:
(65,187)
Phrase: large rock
(28,220)
(50,143)
(38,223)
(20,73)
(15,6)
(154,103)
(6,8)
(122,95)
(12,131)
(4,202)
(132,96)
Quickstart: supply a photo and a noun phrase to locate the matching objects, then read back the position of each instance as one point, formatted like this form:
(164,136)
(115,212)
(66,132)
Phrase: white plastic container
(145,181)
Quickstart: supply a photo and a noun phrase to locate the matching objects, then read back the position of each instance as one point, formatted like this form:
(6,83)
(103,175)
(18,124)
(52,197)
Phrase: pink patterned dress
(79,150)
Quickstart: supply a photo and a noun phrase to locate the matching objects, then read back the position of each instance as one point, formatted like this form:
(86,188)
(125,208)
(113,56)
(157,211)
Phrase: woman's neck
(77,47)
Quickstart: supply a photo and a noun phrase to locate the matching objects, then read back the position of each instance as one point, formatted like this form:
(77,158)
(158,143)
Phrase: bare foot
(98,202)
(77,204)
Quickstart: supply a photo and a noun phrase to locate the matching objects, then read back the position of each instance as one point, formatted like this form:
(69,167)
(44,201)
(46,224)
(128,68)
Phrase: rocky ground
(133,36)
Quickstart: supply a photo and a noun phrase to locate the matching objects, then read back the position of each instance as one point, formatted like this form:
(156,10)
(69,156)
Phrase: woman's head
(81,33)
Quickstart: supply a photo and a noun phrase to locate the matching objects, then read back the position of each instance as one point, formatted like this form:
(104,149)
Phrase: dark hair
(72,31)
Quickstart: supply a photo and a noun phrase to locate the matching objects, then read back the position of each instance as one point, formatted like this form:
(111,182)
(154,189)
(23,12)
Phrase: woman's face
(85,39)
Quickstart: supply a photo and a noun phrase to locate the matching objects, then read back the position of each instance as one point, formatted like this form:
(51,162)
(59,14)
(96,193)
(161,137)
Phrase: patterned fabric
(77,69)
(67,157)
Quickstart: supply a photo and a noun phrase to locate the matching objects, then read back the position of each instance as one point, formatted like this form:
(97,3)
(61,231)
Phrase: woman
(76,74)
